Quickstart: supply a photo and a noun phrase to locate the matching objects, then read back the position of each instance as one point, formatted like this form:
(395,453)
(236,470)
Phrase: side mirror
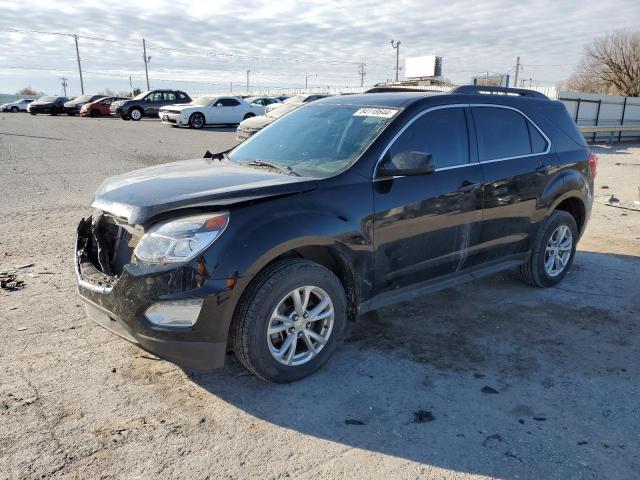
(218,105)
(407,163)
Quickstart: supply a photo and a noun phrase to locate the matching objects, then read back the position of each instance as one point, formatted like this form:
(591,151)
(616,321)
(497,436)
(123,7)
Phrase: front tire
(553,251)
(248,115)
(33,113)
(289,321)
(14,109)
(196,120)
(135,114)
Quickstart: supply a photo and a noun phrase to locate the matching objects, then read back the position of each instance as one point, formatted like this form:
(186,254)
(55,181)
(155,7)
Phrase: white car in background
(209,111)
(17,106)
(297,100)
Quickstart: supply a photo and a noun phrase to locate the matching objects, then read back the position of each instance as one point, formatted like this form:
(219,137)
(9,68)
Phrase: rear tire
(553,251)
(33,113)
(94,113)
(71,114)
(135,114)
(196,120)
(268,299)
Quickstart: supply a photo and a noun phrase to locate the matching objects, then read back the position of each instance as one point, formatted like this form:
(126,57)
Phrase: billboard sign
(426,66)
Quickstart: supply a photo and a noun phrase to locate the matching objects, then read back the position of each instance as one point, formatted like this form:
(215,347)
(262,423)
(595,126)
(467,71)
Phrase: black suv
(147,104)
(341,207)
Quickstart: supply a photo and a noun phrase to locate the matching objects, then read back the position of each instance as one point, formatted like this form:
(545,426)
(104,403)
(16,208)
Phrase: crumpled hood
(140,195)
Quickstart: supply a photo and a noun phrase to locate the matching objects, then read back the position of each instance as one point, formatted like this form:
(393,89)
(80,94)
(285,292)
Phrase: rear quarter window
(502,133)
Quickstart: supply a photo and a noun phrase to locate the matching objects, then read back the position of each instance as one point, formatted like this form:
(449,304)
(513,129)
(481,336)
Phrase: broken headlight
(182,239)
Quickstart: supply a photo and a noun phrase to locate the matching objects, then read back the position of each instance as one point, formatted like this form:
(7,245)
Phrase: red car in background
(100,107)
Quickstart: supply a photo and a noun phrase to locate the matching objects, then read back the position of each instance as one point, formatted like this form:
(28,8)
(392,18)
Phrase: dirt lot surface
(491,379)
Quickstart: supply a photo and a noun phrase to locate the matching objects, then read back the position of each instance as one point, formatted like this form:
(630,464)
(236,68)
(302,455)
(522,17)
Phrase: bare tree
(611,64)
(28,91)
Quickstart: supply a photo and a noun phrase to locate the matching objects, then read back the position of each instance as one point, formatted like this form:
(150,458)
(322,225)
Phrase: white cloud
(326,38)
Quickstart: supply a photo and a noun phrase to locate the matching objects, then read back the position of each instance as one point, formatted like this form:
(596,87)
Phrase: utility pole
(75,37)
(515,81)
(64,85)
(306,79)
(146,61)
(248,71)
(230,88)
(362,72)
(396,45)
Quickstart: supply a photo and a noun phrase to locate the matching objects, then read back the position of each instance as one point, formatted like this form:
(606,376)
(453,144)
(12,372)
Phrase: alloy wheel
(558,251)
(300,325)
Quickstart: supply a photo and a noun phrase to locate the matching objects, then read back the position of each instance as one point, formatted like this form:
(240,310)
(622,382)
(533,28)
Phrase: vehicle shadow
(508,372)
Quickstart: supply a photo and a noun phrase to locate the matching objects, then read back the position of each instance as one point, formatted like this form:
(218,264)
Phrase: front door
(516,162)
(425,226)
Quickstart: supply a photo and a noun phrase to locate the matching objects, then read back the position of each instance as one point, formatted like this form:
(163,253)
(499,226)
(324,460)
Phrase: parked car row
(175,108)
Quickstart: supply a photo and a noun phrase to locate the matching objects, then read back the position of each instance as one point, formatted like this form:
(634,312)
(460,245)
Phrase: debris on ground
(353,421)
(540,419)
(492,439)
(423,416)
(9,282)
(488,389)
(613,199)
(21,329)
(605,187)
(26,265)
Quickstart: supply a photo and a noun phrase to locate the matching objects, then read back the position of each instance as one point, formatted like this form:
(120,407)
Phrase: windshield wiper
(286,169)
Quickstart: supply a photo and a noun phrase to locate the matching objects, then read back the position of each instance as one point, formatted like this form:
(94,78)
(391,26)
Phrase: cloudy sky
(204,46)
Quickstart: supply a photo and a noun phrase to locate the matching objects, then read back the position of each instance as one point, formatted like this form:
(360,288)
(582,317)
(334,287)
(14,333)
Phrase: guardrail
(609,128)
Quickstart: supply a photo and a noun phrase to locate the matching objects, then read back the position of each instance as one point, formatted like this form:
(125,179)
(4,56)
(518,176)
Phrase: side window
(182,96)
(229,102)
(502,133)
(170,96)
(154,97)
(442,133)
(538,143)
(107,101)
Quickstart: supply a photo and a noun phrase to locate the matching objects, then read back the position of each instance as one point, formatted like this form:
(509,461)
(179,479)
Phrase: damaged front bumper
(119,300)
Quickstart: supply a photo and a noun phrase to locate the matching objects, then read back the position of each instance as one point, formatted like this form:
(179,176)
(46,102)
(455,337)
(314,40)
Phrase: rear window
(505,133)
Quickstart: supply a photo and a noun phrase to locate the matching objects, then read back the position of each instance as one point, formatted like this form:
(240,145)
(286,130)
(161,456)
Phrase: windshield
(202,101)
(47,99)
(281,110)
(140,96)
(316,140)
(83,98)
(295,99)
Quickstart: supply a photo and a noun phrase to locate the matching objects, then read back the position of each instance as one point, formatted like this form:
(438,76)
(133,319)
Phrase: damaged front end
(173,310)
(103,247)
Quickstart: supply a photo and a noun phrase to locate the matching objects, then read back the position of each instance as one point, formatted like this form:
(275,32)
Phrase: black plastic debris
(488,389)
(540,419)
(423,416)
(353,421)
(9,282)
(613,199)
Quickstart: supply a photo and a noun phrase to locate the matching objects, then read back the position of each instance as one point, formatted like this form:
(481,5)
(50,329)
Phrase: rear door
(426,225)
(516,159)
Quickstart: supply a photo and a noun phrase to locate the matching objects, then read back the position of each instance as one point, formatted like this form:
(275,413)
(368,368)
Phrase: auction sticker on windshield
(376,112)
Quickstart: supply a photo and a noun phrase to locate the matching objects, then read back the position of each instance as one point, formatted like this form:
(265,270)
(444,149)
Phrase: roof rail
(478,89)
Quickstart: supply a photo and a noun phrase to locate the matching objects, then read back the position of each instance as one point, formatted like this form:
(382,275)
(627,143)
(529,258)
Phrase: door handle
(467,186)
(542,169)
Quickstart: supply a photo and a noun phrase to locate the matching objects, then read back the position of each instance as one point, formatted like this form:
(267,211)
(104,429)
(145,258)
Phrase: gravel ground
(491,379)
